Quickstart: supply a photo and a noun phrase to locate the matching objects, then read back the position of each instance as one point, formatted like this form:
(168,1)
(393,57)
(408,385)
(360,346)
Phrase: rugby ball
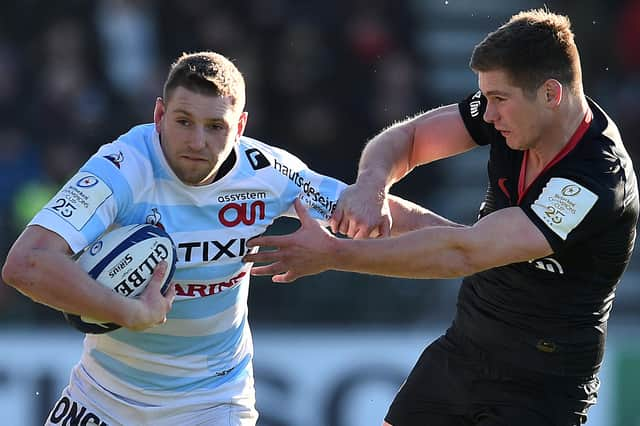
(123,260)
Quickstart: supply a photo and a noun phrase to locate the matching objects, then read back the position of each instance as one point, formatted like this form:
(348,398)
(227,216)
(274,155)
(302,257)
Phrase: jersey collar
(573,142)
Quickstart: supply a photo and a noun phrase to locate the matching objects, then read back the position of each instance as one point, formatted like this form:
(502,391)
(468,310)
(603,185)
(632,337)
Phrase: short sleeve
(318,192)
(569,210)
(80,211)
(97,196)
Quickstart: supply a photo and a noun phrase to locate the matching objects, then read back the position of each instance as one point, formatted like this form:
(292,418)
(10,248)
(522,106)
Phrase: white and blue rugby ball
(123,260)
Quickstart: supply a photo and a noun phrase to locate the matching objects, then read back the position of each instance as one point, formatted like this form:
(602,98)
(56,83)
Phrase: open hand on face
(307,251)
(362,212)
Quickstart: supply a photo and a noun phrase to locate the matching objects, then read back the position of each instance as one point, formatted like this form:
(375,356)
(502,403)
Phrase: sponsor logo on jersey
(313,197)
(563,204)
(87,182)
(212,250)
(79,199)
(548,264)
(547,346)
(257,159)
(116,159)
(474,105)
(154,218)
(241,196)
(204,290)
(570,190)
(68,412)
(233,214)
(224,372)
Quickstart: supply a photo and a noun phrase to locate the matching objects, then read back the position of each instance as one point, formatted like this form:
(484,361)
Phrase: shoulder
(603,139)
(593,190)
(138,142)
(132,157)
(261,155)
(601,160)
(139,139)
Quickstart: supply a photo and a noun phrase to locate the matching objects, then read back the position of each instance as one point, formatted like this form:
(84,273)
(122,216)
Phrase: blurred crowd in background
(322,78)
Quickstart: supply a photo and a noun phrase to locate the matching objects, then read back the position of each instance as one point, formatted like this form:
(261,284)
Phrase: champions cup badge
(87,182)
(570,190)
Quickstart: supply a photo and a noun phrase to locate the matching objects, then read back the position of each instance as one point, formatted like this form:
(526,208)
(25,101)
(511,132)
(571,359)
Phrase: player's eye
(183,122)
(215,127)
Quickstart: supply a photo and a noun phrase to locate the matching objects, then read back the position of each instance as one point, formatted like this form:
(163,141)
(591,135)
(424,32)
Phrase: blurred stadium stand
(323,77)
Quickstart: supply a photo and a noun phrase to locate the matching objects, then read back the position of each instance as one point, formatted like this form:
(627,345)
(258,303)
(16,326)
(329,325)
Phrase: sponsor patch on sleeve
(474,105)
(79,199)
(563,204)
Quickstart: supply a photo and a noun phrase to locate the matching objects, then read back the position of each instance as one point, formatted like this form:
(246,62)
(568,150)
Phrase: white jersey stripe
(159,382)
(190,365)
(195,308)
(210,344)
(201,327)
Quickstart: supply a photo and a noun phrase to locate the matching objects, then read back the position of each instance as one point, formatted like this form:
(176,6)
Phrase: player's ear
(242,124)
(158,113)
(552,92)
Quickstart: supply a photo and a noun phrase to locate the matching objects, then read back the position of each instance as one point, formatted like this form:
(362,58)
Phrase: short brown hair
(207,73)
(532,47)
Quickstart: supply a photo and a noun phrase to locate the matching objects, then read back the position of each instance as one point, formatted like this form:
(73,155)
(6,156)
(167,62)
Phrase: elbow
(9,272)
(15,268)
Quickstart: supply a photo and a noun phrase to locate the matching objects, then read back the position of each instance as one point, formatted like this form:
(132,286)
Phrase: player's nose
(490,114)
(198,139)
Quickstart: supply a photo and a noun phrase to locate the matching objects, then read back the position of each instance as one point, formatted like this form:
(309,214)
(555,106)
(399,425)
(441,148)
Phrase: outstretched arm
(408,216)
(39,265)
(363,209)
(434,252)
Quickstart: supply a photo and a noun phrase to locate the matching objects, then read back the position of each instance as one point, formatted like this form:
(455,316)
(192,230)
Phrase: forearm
(55,280)
(408,216)
(385,158)
(429,252)
(427,137)
(435,252)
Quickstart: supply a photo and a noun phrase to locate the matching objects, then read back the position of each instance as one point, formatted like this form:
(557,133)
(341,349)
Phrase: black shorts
(454,383)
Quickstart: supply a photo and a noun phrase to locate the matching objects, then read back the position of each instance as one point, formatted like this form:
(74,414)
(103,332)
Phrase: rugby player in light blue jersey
(184,358)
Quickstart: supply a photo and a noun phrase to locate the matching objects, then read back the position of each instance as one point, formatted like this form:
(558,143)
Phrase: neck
(564,124)
(226,166)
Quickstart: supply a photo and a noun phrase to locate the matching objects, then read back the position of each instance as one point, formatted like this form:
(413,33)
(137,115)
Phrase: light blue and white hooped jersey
(206,340)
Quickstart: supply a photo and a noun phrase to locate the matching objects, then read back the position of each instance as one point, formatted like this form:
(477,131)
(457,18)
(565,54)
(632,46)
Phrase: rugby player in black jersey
(541,264)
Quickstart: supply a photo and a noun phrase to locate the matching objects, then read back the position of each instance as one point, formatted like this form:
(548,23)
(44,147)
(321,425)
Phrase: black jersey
(550,314)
